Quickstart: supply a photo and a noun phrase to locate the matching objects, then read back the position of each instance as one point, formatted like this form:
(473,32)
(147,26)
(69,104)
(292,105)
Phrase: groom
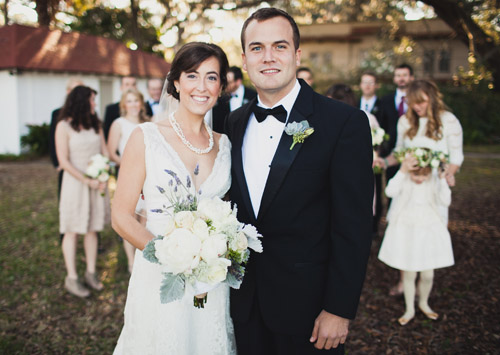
(312,203)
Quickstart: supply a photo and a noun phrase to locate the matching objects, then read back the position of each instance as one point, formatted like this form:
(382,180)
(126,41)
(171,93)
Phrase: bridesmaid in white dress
(428,124)
(133,113)
(183,143)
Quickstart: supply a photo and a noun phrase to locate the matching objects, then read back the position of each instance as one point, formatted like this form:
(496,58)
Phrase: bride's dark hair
(77,111)
(189,58)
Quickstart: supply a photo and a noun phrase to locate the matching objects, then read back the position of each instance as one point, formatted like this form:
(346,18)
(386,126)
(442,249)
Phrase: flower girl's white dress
(416,238)
(178,327)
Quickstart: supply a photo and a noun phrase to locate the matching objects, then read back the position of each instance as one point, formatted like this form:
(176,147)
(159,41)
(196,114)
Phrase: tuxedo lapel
(237,157)
(284,157)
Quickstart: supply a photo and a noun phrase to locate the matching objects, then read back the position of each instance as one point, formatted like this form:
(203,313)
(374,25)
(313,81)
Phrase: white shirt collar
(288,101)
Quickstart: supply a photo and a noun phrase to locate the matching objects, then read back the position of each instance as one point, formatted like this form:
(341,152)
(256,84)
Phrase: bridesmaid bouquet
(378,137)
(425,157)
(203,244)
(99,168)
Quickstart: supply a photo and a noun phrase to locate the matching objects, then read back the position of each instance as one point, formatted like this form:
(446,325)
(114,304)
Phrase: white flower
(435,163)
(179,252)
(214,209)
(215,271)
(200,228)
(419,152)
(213,247)
(169,225)
(92,171)
(253,237)
(240,242)
(184,219)
(103,177)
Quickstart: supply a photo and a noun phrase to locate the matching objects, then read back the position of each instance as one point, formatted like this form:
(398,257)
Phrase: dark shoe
(75,287)
(93,281)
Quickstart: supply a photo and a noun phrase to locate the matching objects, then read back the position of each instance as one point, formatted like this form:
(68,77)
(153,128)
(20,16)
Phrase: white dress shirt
(367,105)
(259,146)
(397,99)
(236,100)
(155,106)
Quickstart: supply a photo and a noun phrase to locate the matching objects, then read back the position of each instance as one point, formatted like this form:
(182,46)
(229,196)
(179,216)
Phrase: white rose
(179,252)
(92,171)
(213,247)
(216,271)
(419,152)
(240,242)
(184,219)
(103,177)
(200,228)
(214,209)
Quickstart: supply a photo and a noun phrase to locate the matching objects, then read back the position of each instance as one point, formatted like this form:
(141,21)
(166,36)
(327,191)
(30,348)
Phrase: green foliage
(478,111)
(37,139)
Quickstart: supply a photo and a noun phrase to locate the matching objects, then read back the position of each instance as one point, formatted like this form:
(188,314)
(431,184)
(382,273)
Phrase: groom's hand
(329,330)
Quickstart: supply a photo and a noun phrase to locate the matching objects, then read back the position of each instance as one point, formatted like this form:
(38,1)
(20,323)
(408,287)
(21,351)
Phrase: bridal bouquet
(425,157)
(99,168)
(203,244)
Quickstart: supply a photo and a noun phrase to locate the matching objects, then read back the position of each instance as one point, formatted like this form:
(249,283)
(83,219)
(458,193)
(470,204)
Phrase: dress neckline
(178,158)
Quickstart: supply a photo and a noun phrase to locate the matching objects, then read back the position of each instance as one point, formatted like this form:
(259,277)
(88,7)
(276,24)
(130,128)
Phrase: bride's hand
(201,296)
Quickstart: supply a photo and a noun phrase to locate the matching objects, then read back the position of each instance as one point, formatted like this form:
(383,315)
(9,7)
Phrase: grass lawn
(37,316)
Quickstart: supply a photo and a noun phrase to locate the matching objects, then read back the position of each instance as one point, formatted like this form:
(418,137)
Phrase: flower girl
(417,239)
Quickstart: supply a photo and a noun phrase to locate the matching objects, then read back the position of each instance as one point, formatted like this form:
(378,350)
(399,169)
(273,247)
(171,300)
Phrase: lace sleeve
(454,138)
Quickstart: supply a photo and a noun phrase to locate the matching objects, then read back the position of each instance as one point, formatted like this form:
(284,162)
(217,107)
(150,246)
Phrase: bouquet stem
(199,302)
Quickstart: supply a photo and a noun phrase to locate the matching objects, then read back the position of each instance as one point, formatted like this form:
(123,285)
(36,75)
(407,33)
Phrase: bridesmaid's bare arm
(129,186)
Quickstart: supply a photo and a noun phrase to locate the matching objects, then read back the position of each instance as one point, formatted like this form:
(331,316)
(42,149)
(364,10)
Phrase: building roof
(41,49)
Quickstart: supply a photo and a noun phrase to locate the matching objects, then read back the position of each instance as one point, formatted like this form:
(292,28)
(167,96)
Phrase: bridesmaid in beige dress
(82,208)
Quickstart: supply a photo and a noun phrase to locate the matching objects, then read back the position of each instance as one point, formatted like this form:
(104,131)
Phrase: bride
(183,143)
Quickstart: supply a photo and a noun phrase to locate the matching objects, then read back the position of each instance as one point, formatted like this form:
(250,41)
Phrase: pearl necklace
(180,134)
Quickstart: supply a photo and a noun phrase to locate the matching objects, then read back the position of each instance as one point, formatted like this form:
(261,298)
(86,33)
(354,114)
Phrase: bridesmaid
(82,208)
(133,113)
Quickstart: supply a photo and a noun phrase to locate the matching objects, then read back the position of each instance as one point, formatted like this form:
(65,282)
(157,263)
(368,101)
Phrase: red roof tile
(42,49)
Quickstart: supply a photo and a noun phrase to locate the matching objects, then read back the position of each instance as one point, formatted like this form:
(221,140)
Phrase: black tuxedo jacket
(52,137)
(222,108)
(315,217)
(389,121)
(112,113)
(376,109)
(149,110)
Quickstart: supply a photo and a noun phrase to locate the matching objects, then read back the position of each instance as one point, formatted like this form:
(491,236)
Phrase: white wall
(9,125)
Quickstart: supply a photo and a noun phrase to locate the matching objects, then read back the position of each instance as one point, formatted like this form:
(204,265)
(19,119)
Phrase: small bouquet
(425,157)
(100,168)
(378,137)
(203,244)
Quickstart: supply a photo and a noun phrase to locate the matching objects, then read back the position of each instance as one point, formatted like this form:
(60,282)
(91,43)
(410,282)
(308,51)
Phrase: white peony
(184,219)
(419,152)
(214,209)
(169,225)
(213,247)
(215,271)
(179,252)
(200,228)
(435,163)
(92,171)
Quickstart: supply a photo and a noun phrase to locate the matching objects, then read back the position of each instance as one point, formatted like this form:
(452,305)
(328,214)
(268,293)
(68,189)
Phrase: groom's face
(270,57)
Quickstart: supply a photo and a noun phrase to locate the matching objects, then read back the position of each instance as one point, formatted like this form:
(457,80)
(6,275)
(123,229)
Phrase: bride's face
(199,89)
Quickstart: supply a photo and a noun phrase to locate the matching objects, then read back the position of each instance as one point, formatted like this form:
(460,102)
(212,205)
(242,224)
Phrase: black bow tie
(261,113)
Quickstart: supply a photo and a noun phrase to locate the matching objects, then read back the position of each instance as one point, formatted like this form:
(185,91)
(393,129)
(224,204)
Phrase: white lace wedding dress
(178,327)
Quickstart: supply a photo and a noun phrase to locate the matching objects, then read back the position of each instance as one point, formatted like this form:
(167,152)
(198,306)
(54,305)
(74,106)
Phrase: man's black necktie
(261,113)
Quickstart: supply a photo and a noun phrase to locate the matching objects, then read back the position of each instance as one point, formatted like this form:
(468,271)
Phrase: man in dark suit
(237,95)
(393,106)
(155,87)
(312,203)
(113,110)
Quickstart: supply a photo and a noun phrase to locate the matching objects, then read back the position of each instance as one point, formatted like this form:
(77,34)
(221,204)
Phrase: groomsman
(236,95)
(306,74)
(312,201)
(113,110)
(155,87)
(369,101)
(393,106)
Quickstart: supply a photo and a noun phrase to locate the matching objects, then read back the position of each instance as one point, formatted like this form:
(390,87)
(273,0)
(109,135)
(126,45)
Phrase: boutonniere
(299,130)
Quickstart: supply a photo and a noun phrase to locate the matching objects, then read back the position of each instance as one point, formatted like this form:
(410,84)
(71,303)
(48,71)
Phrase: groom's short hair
(267,14)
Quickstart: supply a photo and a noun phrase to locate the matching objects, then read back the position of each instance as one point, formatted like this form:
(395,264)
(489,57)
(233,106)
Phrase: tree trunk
(135,23)
(43,12)
(459,18)
(5,12)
